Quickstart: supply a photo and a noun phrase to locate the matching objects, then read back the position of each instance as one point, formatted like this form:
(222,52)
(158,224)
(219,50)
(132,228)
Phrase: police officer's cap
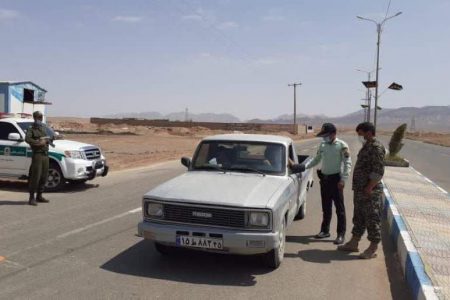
(327,129)
(37,114)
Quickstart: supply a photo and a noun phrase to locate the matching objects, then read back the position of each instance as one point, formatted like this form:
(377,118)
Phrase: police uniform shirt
(335,158)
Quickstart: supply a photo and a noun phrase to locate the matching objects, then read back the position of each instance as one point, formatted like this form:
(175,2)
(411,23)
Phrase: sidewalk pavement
(420,212)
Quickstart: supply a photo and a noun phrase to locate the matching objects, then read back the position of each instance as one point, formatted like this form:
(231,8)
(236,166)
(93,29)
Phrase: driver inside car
(273,157)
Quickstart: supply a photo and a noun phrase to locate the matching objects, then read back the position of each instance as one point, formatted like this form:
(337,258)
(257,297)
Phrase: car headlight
(155,210)
(259,219)
(75,154)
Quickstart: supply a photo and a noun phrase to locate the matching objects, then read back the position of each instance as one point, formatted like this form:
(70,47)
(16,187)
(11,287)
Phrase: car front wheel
(55,179)
(274,258)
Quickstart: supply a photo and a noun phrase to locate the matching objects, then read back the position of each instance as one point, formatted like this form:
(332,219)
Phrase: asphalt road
(83,245)
(432,161)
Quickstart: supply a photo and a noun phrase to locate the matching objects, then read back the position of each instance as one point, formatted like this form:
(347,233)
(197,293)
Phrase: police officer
(336,167)
(368,192)
(38,140)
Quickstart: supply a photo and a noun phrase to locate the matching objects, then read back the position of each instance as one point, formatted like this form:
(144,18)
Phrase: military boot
(350,246)
(32,200)
(40,198)
(370,252)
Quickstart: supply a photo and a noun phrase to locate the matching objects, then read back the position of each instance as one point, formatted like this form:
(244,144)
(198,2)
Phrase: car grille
(92,153)
(204,216)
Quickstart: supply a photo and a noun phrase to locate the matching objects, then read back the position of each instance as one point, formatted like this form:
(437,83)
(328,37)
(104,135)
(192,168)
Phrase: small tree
(395,145)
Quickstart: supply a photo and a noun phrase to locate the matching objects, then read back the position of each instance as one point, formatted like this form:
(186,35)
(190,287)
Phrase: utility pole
(186,114)
(376,76)
(413,124)
(379,29)
(369,100)
(295,84)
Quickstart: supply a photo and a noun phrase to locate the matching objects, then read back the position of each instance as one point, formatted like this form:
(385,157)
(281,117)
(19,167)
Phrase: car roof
(265,138)
(16,120)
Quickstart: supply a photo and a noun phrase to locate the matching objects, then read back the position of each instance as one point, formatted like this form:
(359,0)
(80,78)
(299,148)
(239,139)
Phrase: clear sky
(233,56)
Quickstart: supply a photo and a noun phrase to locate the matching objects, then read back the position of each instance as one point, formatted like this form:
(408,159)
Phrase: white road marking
(78,230)
(81,229)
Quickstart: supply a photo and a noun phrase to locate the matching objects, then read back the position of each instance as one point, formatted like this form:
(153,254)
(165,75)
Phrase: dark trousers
(331,193)
(38,172)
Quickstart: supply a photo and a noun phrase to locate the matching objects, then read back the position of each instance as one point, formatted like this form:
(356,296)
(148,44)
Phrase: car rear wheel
(55,180)
(274,258)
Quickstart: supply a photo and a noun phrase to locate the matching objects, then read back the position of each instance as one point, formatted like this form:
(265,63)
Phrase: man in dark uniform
(334,155)
(368,192)
(38,140)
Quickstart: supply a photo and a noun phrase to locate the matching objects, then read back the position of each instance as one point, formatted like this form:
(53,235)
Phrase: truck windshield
(245,157)
(25,125)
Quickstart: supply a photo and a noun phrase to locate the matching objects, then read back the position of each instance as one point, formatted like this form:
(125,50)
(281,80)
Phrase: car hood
(69,145)
(218,188)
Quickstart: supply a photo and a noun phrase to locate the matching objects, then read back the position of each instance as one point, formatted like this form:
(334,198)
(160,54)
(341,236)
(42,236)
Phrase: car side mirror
(15,137)
(186,161)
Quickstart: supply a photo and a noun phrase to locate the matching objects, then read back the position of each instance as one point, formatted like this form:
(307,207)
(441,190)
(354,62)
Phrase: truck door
(297,183)
(13,154)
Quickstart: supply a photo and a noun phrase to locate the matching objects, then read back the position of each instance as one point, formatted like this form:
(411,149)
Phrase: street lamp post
(368,94)
(379,28)
(295,84)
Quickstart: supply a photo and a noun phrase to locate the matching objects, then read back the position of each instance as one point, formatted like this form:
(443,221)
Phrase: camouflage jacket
(369,165)
(33,137)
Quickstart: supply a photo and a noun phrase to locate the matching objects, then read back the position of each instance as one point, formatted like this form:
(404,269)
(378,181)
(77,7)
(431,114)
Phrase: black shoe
(339,240)
(322,235)
(32,200)
(41,199)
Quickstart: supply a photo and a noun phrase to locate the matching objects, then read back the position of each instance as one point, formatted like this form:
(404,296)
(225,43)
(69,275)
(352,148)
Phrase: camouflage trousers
(367,213)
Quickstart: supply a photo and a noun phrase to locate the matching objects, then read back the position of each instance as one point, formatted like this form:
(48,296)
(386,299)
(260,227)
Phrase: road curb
(411,263)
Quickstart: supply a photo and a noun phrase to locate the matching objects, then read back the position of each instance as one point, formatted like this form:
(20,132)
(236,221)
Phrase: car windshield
(245,157)
(25,125)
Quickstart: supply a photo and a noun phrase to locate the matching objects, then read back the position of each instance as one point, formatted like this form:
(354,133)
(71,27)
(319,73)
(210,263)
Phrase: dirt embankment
(441,139)
(134,146)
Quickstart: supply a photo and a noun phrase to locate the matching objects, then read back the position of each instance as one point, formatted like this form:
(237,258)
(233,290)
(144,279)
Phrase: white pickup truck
(238,196)
(70,161)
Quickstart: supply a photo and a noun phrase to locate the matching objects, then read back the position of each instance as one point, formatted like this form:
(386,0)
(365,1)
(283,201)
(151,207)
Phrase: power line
(387,10)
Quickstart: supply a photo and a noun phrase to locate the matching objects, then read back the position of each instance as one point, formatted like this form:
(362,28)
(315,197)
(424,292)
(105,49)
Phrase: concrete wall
(209,125)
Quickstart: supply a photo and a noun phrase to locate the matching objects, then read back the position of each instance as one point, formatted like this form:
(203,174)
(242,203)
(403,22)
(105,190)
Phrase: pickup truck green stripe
(26,152)
(13,151)
(55,155)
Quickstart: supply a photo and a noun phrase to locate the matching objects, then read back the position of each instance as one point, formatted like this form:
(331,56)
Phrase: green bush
(395,145)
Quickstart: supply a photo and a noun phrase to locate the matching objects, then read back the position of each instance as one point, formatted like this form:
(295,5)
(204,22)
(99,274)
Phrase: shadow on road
(7,202)
(322,256)
(22,186)
(13,186)
(398,287)
(187,266)
(305,240)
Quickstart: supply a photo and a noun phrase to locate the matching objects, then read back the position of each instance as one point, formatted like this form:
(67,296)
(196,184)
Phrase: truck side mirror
(186,161)
(15,137)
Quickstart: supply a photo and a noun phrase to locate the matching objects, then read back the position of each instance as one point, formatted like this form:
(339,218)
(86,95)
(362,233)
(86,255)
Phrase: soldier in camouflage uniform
(368,192)
(36,137)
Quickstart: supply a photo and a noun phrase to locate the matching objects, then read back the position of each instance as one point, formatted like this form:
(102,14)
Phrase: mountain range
(431,118)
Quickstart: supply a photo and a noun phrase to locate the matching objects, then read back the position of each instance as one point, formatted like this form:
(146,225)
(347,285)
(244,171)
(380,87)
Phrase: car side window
(6,129)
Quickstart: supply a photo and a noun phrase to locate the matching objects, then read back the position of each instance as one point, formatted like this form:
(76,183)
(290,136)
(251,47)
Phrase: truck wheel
(274,258)
(55,180)
(301,212)
(163,249)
